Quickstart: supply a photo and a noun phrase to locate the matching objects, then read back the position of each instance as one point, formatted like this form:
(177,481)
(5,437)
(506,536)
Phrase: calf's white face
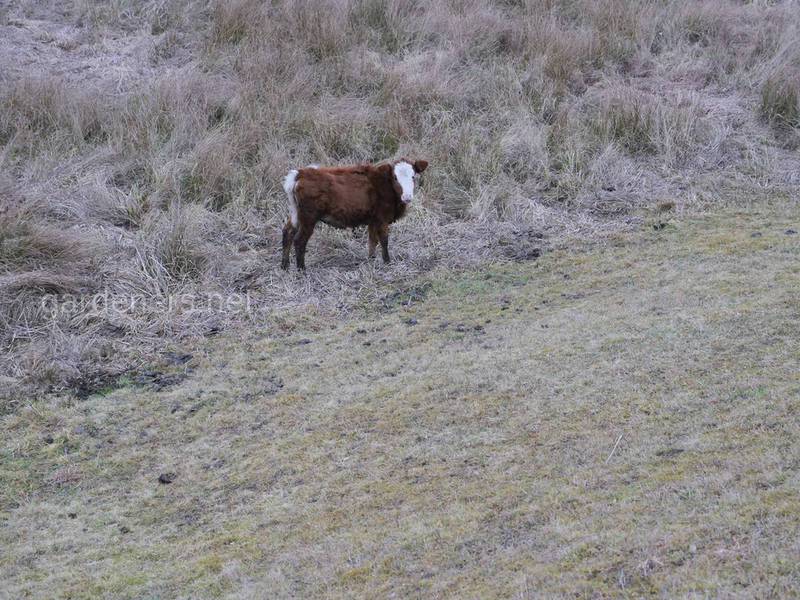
(404,174)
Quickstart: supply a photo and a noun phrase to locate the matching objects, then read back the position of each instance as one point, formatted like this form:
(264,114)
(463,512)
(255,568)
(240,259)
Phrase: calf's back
(347,196)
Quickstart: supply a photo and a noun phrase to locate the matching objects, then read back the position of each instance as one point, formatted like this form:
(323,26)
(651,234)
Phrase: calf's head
(404,176)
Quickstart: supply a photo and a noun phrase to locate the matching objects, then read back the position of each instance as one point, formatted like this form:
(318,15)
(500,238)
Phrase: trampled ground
(609,420)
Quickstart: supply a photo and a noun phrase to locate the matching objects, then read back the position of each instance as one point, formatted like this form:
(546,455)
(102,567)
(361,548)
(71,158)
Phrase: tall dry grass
(162,177)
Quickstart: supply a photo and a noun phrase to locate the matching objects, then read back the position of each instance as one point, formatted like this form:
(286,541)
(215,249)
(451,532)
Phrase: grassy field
(613,419)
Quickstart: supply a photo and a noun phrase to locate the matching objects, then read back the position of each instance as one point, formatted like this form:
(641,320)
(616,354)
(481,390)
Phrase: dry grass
(611,421)
(780,101)
(144,144)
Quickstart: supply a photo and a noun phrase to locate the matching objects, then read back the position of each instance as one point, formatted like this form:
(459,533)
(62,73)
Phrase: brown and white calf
(371,195)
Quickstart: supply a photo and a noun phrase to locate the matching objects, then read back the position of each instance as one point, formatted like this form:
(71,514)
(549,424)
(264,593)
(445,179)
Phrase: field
(617,420)
(577,377)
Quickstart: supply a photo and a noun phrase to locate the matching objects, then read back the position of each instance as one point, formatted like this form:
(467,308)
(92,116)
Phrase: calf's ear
(420,165)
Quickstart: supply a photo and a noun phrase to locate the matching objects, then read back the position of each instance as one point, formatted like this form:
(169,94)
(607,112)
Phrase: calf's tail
(289,183)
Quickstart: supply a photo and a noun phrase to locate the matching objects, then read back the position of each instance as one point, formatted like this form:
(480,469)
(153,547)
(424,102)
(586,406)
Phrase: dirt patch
(523,246)
(406,296)
(98,382)
(158,381)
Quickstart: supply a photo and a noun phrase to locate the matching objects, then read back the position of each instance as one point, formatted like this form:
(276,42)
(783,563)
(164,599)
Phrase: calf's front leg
(383,234)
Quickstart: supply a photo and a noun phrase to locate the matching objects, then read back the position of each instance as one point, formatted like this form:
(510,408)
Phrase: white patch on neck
(404,173)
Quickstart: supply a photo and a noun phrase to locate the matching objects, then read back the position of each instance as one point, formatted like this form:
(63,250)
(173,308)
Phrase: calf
(371,195)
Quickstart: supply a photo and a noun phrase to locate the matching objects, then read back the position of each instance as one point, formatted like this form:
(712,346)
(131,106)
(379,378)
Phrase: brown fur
(346,197)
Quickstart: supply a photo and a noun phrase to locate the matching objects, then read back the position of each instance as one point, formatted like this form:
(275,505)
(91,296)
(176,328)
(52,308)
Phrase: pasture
(576,377)
(605,422)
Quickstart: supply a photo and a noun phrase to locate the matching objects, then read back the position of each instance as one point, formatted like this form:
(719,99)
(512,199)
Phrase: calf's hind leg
(301,238)
(288,236)
(372,230)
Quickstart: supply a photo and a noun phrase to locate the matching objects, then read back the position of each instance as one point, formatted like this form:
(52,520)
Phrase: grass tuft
(780,101)
(629,120)
(232,21)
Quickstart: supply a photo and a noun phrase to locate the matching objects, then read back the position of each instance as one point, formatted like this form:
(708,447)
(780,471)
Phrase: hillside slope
(613,419)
